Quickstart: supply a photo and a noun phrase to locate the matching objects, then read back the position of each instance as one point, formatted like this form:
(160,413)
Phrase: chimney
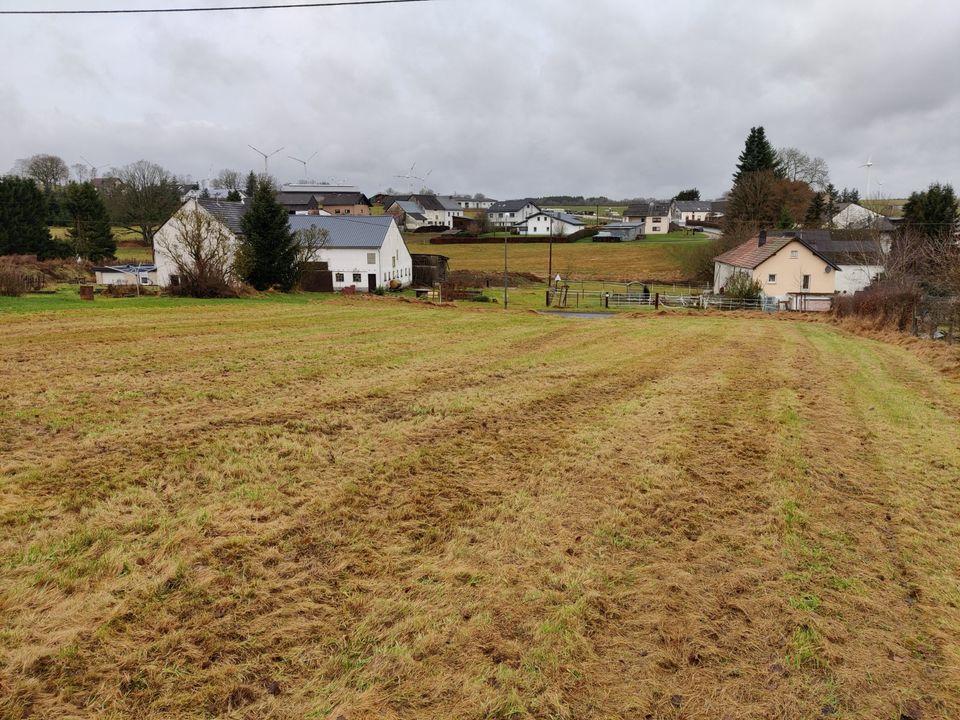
(762,239)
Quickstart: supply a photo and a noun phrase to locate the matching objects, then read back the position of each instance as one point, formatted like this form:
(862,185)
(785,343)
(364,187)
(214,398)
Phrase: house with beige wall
(788,268)
(654,217)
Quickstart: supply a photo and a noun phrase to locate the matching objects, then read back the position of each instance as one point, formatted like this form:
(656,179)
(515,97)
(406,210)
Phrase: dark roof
(311,198)
(841,247)
(562,216)
(428,202)
(231,213)
(511,205)
(751,254)
(718,206)
(347,231)
(694,205)
(654,209)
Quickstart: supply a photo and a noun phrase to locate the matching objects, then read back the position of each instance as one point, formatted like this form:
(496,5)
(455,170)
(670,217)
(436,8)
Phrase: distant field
(372,509)
(660,259)
(121,234)
(890,208)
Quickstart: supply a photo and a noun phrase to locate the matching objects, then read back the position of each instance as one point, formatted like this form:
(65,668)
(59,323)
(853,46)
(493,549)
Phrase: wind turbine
(869,166)
(93,168)
(304,163)
(265,157)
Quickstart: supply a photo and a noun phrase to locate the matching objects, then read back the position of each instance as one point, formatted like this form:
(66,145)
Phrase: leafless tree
(202,252)
(81,172)
(797,165)
(144,198)
(309,240)
(46,170)
(230,180)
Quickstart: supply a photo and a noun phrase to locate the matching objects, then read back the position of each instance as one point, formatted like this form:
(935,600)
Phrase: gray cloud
(507,97)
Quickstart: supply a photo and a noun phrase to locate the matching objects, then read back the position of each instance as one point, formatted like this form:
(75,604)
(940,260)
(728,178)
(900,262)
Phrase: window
(371,258)
(771,279)
(346,212)
(806,282)
(394,261)
(175,280)
(794,254)
(339,277)
(656,219)
(357,277)
(337,211)
(655,228)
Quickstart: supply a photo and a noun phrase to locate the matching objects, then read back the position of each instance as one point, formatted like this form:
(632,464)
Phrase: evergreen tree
(268,255)
(830,204)
(814,218)
(691,194)
(850,195)
(252,183)
(758,154)
(234,196)
(90,230)
(932,212)
(23,225)
(786,219)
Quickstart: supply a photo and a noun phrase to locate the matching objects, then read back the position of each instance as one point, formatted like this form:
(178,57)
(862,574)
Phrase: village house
(510,212)
(691,212)
(854,216)
(803,269)
(300,199)
(228,214)
(549,223)
(619,232)
(655,217)
(409,214)
(466,202)
(360,252)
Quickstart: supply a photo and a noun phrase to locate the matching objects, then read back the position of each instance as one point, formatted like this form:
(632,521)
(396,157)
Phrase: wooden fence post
(656,301)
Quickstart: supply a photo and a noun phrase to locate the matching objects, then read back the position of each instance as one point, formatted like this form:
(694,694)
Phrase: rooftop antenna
(869,166)
(306,176)
(93,168)
(266,157)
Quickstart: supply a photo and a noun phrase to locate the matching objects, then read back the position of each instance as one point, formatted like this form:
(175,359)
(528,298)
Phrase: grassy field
(660,259)
(369,508)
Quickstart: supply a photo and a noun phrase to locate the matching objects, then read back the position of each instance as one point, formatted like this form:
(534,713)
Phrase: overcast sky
(506,97)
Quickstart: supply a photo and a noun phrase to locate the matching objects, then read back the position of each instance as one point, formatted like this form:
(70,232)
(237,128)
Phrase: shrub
(742,286)
(15,281)
(884,305)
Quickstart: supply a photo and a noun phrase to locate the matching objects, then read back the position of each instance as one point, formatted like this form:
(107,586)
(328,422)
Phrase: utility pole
(505,236)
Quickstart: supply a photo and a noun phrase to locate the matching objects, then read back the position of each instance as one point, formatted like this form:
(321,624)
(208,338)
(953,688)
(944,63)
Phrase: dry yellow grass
(372,509)
(646,260)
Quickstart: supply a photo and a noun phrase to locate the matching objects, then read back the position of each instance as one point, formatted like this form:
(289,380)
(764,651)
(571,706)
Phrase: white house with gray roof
(550,224)
(365,252)
(362,252)
(508,213)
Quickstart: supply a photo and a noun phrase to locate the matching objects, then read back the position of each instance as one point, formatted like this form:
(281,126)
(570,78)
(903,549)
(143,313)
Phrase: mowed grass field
(374,509)
(639,260)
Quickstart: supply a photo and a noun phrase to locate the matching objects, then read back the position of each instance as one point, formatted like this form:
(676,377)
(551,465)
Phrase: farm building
(363,253)
(126,274)
(655,217)
(408,214)
(550,223)
(430,270)
(468,202)
(619,232)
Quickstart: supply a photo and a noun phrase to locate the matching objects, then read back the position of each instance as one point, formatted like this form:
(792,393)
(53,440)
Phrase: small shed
(430,270)
(126,274)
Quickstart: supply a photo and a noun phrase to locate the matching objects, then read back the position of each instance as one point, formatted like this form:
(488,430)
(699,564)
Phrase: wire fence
(572,298)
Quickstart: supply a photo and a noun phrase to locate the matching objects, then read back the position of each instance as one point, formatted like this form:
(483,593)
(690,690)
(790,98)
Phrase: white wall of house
(507,219)
(687,217)
(122,278)
(392,261)
(167,237)
(853,278)
(722,272)
(855,216)
(542,224)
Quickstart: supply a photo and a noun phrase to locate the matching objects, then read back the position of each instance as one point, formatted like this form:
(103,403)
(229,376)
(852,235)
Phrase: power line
(144,11)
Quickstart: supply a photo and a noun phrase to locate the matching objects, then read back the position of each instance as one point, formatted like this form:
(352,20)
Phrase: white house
(851,215)
(510,212)
(655,217)
(466,202)
(691,212)
(230,215)
(409,214)
(361,252)
(550,224)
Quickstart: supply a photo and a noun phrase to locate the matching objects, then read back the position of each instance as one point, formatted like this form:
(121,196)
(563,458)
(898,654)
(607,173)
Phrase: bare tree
(797,165)
(230,180)
(81,173)
(309,240)
(201,250)
(46,170)
(144,198)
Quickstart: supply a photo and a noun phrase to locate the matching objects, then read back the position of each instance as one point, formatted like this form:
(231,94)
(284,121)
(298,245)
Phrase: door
(371,282)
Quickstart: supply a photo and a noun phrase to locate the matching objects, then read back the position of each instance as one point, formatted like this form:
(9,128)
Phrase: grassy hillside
(660,259)
(368,509)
